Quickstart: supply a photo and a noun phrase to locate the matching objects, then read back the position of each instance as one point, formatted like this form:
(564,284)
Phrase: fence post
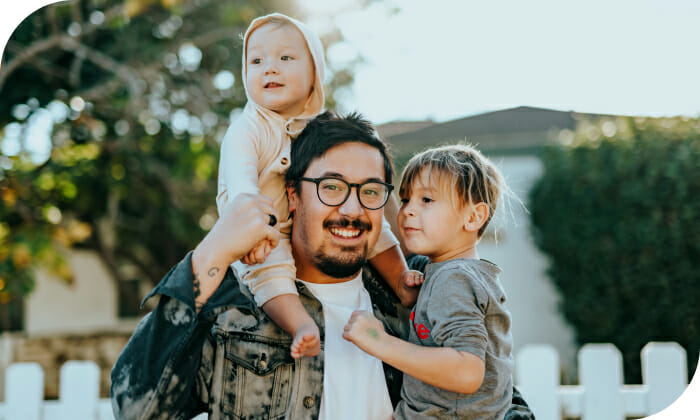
(600,373)
(537,372)
(24,392)
(5,357)
(664,372)
(79,390)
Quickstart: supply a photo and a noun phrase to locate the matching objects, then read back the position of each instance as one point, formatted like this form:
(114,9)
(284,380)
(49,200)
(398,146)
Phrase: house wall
(532,299)
(77,321)
(88,304)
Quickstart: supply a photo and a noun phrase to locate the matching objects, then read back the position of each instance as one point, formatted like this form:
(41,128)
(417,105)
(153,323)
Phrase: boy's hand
(365,331)
(411,281)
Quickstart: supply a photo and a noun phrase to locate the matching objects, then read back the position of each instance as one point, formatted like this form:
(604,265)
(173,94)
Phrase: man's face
(330,244)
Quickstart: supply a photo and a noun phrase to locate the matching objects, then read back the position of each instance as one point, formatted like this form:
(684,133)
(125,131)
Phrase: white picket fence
(601,394)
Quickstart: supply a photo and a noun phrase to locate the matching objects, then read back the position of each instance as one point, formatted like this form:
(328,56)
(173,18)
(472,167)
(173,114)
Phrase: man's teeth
(345,233)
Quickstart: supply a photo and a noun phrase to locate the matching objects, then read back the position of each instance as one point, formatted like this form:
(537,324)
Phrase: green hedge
(619,218)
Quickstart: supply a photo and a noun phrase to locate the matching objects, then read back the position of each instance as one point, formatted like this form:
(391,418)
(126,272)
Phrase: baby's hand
(259,253)
(411,280)
(365,331)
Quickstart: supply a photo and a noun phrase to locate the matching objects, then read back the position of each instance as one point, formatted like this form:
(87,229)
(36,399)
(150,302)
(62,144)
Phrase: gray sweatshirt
(462,305)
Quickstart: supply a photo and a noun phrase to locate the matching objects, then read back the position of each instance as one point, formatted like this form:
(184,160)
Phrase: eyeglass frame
(350,185)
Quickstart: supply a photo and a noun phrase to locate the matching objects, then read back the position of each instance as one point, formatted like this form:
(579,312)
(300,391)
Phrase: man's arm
(242,226)
(156,373)
(159,372)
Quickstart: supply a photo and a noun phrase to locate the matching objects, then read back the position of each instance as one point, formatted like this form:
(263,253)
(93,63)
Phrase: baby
(283,72)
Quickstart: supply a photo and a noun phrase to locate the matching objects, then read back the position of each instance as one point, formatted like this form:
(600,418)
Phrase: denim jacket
(231,360)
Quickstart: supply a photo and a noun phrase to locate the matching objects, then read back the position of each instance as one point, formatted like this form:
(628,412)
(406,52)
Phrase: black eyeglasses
(334,192)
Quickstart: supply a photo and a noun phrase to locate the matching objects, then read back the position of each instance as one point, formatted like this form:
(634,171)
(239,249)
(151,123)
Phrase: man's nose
(351,206)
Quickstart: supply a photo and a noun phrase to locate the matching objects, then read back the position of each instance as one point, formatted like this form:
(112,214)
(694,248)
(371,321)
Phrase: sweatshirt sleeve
(274,277)
(457,311)
(159,373)
(238,162)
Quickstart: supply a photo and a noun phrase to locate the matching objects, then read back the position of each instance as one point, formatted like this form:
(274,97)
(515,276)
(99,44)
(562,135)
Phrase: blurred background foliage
(111,114)
(618,214)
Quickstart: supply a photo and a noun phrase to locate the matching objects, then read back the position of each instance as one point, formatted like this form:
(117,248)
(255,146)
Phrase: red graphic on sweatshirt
(422,331)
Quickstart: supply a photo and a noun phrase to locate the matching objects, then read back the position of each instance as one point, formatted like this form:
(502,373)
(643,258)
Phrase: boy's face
(430,225)
(279,69)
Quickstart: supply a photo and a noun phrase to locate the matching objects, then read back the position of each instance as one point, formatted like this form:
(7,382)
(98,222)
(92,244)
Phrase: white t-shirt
(354,386)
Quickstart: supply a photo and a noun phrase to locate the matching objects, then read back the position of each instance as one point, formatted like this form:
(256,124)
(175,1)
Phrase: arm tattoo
(197,291)
(197,287)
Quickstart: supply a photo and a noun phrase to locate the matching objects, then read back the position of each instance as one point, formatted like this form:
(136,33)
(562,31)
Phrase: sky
(461,57)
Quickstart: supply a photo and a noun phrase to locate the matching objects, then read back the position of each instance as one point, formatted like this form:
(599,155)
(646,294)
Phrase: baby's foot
(307,341)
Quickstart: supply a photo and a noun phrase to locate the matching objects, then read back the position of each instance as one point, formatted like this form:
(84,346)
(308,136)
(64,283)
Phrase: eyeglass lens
(334,191)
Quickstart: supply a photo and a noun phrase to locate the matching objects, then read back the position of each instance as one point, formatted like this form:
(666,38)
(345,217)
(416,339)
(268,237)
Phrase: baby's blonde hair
(461,173)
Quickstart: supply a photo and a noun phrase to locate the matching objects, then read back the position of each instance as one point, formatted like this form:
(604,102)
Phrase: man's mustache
(344,223)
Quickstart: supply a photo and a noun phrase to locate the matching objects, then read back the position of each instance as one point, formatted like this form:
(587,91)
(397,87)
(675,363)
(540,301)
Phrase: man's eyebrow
(341,176)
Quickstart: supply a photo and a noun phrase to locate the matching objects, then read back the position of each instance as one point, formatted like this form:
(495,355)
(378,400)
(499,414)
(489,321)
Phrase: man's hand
(366,331)
(243,225)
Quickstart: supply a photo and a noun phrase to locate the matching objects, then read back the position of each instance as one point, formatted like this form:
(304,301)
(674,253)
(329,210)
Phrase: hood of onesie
(315,101)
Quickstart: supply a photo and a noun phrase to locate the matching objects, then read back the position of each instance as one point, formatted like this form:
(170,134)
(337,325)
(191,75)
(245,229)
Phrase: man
(208,348)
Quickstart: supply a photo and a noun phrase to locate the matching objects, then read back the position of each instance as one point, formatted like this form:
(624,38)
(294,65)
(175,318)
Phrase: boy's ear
(292,196)
(475,215)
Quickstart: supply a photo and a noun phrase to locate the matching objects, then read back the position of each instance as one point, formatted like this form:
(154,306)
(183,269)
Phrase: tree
(111,114)
(618,213)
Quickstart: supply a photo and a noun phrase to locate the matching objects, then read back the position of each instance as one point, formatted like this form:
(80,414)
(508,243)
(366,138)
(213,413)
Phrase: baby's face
(279,69)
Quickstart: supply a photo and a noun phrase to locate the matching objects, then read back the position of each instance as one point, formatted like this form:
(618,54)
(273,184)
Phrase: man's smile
(346,233)
(347,229)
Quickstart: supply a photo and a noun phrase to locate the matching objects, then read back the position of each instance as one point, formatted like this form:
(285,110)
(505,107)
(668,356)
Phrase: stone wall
(51,352)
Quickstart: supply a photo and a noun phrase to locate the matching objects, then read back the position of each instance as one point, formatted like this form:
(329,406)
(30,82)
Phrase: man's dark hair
(327,131)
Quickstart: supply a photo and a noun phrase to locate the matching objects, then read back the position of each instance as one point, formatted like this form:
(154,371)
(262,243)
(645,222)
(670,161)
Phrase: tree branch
(51,42)
(27,55)
(128,76)
(39,63)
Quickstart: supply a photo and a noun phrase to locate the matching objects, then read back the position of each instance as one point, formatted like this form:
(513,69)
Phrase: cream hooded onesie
(254,158)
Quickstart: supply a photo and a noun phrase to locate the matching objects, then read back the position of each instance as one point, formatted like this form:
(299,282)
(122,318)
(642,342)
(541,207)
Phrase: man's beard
(343,264)
(347,261)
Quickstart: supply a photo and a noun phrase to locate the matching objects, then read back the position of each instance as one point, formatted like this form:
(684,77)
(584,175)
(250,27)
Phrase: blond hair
(461,173)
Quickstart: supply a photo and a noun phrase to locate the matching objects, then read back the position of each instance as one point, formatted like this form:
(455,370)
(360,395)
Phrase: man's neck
(314,275)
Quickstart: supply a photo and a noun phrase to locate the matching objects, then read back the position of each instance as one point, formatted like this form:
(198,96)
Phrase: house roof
(511,130)
(395,128)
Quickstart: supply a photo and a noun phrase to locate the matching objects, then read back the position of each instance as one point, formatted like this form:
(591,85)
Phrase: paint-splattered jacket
(231,360)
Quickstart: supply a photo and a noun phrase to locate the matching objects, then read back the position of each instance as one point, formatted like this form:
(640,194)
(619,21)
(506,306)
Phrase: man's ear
(475,215)
(292,196)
